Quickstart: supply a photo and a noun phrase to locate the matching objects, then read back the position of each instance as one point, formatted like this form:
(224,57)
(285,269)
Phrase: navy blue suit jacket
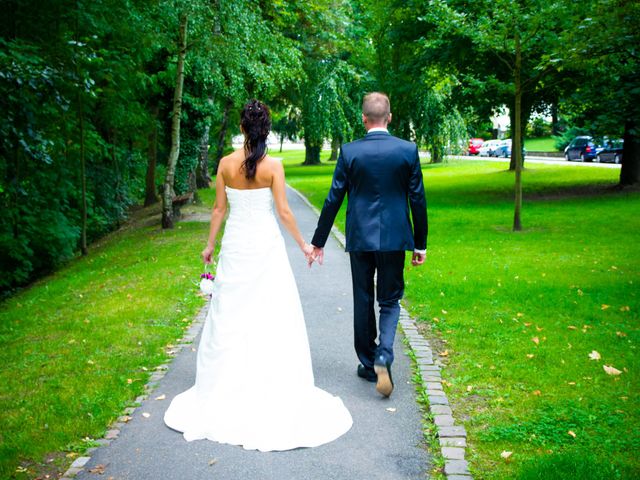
(382,178)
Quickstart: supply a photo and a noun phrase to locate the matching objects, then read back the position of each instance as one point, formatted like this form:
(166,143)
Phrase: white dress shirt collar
(378,129)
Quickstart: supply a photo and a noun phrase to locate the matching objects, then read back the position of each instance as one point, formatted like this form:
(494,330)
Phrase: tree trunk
(516,147)
(203,180)
(554,119)
(168,192)
(436,153)
(335,146)
(150,196)
(193,187)
(281,142)
(83,177)
(630,171)
(311,154)
(222,136)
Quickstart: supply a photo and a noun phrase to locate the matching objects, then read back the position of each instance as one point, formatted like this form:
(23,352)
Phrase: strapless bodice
(250,203)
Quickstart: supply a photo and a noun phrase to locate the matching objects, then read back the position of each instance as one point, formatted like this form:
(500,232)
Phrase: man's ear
(389,117)
(364,119)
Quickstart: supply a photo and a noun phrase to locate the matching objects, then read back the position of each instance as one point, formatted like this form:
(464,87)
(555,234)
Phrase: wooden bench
(179,201)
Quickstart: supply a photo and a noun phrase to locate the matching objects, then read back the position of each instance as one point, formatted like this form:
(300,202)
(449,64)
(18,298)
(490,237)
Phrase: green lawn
(542,144)
(518,314)
(78,346)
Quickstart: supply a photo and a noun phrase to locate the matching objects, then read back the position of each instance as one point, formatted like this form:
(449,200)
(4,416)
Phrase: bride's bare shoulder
(272,161)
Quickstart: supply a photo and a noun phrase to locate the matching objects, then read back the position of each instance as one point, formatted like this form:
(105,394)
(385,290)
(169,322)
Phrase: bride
(254,382)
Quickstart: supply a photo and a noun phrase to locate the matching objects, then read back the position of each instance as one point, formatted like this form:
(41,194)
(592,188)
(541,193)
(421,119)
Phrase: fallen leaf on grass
(571,383)
(572,327)
(21,470)
(621,334)
(539,329)
(537,393)
(625,308)
(444,354)
(594,355)
(611,370)
(580,292)
(161,397)
(505,454)
(604,306)
(572,433)
(146,414)
(527,324)
(444,312)
(99,469)
(129,381)
(469,388)
(530,355)
(536,340)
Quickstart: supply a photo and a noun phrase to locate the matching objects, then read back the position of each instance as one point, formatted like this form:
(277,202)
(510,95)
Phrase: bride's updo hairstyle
(256,123)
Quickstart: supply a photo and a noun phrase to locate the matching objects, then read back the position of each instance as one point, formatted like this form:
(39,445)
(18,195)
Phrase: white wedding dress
(254,383)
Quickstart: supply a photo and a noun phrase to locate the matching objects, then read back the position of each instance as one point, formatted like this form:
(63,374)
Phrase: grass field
(542,144)
(516,314)
(78,346)
(527,321)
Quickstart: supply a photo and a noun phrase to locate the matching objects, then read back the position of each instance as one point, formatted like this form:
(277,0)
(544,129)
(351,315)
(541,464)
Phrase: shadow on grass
(576,465)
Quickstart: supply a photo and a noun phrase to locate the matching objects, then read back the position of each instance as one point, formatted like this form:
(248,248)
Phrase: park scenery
(527,119)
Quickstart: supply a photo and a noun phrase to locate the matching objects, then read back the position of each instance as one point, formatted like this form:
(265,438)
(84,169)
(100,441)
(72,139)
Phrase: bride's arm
(278,188)
(217,215)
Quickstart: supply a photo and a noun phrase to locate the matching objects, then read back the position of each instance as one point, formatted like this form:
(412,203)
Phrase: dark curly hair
(256,123)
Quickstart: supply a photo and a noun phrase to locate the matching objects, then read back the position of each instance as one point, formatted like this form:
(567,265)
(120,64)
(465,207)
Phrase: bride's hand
(206,254)
(308,253)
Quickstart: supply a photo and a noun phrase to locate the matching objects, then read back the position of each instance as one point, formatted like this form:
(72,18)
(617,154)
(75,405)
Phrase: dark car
(612,152)
(581,148)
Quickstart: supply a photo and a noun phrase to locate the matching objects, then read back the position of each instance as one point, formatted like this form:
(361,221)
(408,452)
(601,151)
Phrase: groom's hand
(318,254)
(418,258)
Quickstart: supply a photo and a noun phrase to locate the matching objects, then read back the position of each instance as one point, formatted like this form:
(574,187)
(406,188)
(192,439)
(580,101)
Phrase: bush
(565,138)
(539,127)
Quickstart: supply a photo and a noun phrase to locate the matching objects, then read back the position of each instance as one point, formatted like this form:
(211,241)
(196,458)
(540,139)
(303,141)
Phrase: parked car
(612,152)
(474,145)
(581,148)
(488,147)
(504,150)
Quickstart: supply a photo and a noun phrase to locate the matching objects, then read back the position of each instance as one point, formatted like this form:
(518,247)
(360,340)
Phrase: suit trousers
(389,267)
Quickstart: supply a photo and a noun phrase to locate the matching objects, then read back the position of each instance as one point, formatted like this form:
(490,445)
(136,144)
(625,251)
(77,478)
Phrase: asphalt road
(385,442)
(543,160)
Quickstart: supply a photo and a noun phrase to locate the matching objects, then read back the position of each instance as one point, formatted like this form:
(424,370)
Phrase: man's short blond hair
(376,107)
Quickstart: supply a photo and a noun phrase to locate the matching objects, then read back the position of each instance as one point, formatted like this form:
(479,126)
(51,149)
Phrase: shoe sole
(384,385)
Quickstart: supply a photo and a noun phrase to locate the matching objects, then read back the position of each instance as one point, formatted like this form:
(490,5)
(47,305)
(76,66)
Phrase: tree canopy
(90,93)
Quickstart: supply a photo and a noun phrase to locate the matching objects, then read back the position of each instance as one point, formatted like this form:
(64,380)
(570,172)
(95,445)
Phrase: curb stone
(455,469)
(452,438)
(113,431)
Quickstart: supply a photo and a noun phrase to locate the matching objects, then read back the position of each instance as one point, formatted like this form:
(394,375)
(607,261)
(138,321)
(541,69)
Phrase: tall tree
(605,96)
(168,192)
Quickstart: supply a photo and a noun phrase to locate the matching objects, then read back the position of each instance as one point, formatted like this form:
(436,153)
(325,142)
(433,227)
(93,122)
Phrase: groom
(382,177)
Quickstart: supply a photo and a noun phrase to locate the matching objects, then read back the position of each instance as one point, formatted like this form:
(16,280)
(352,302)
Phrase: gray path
(382,444)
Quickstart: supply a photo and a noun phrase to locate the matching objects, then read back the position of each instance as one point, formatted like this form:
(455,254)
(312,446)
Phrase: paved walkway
(384,443)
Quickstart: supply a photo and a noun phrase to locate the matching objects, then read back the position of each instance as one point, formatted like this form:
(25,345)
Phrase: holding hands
(313,254)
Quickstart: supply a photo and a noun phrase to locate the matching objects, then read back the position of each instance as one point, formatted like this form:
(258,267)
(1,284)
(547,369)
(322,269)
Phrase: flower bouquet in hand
(206,281)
